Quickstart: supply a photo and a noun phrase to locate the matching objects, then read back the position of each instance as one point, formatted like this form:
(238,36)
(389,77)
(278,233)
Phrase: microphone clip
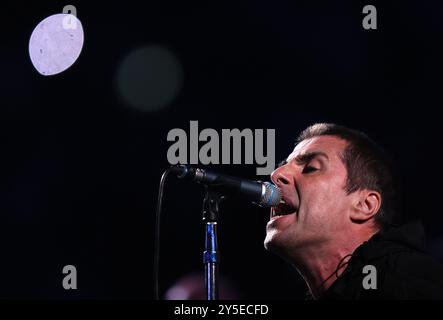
(211,204)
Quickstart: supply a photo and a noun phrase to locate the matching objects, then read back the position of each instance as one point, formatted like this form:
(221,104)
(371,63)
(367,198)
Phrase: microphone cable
(157,232)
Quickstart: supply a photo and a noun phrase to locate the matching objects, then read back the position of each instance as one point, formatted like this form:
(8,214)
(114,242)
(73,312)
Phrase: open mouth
(282,209)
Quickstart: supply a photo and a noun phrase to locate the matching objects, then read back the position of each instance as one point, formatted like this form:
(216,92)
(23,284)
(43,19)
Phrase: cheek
(326,201)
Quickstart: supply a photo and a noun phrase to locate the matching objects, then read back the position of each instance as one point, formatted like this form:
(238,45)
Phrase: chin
(283,243)
(273,241)
(268,240)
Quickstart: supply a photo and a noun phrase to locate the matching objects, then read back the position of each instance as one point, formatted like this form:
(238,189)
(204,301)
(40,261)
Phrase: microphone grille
(271,196)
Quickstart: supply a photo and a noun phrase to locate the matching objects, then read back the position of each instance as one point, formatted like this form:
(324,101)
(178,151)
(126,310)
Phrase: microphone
(264,194)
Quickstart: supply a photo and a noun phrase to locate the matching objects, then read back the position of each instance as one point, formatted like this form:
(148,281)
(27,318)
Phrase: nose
(280,176)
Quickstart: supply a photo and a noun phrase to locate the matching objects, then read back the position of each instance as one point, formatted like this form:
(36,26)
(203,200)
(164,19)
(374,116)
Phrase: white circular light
(56,43)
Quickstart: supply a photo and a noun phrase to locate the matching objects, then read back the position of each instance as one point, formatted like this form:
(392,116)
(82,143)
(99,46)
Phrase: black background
(80,169)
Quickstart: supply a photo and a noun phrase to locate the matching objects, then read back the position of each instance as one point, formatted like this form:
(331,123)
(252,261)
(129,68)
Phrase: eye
(309,169)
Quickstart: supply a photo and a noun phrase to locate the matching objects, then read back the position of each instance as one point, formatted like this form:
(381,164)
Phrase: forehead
(331,145)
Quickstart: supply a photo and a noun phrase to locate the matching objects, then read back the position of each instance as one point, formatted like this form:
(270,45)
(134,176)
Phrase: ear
(366,205)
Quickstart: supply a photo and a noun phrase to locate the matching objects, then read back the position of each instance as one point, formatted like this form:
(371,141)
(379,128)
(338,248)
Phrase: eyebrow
(304,158)
(308,156)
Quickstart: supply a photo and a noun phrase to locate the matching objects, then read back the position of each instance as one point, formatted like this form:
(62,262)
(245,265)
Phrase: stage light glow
(149,78)
(56,43)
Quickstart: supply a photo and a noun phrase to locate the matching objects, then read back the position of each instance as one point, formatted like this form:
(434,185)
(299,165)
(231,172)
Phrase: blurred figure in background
(192,287)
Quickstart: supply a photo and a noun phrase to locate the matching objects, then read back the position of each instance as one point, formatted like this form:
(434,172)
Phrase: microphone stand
(211,256)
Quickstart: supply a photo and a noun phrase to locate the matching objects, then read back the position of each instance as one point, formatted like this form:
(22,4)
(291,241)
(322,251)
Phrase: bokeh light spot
(149,78)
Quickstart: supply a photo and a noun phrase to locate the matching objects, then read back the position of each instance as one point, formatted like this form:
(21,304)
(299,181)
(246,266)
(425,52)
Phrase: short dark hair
(367,166)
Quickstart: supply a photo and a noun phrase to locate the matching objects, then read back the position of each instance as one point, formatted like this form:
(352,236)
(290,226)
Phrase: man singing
(337,222)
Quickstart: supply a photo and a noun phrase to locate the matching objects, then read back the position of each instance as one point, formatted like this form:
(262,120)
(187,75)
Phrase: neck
(322,265)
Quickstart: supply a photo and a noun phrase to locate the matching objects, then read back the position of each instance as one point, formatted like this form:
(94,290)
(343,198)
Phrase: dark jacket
(403,270)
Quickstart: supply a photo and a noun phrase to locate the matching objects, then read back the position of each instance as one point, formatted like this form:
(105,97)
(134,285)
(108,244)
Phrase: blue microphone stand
(211,256)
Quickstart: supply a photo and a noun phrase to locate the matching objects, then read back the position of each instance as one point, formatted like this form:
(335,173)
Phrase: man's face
(316,208)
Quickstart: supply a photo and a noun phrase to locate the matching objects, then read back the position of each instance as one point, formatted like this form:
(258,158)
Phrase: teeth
(281,211)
